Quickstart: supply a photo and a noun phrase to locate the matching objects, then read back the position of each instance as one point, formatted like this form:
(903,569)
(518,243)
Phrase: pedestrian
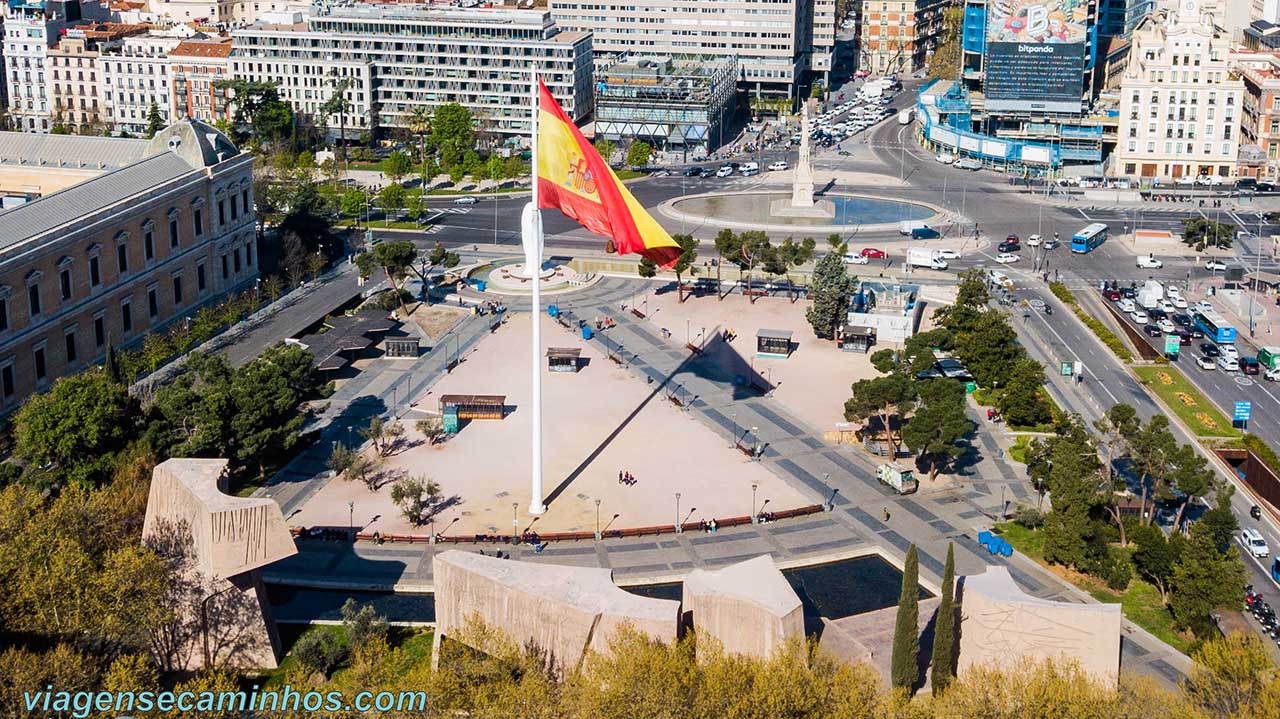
(619,476)
(886,514)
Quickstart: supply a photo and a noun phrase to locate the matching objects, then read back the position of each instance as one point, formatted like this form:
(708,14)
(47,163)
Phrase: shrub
(1060,291)
(318,651)
(1119,572)
(1254,444)
(1108,337)
(1029,517)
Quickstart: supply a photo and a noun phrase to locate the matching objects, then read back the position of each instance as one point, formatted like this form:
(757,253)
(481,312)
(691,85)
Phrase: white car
(1204,306)
(1185,180)
(1179,303)
(724,171)
(1229,351)
(1139,316)
(1167,327)
(468,200)
(1204,362)
(1172,292)
(1006,258)
(1215,265)
(945,158)
(1149,262)
(853,258)
(1034,241)
(1167,307)
(1252,540)
(779,166)
(949,254)
(1229,364)
(1271,375)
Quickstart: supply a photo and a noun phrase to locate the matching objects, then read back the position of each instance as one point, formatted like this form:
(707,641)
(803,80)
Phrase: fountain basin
(772,210)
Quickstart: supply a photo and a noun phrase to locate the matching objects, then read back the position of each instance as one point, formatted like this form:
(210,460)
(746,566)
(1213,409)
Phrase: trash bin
(480,285)
(587,332)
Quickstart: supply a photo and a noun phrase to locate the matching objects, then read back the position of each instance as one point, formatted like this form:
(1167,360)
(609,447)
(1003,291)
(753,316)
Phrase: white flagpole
(532,239)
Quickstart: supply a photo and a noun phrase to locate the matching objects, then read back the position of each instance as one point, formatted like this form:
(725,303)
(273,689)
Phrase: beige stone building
(76,82)
(1180,100)
(117,238)
(898,35)
(195,69)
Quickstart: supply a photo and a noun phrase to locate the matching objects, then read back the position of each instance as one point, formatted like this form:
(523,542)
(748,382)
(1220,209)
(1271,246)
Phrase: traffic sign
(1171,344)
(1243,411)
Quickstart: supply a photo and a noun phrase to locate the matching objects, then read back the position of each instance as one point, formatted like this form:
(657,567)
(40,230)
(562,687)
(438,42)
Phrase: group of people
(706,526)
(764,517)
(992,415)
(604,323)
(729,335)
(625,477)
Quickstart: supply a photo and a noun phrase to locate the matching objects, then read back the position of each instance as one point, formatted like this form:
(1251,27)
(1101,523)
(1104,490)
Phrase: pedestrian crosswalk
(456,210)
(434,229)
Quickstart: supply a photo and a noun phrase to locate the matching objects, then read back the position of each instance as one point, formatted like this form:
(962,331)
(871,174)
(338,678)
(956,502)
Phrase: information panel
(1035,54)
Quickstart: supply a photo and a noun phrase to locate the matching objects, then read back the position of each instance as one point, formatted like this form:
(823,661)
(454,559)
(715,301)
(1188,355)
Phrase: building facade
(31,29)
(195,69)
(674,104)
(772,39)
(135,79)
(75,74)
(402,57)
(1259,114)
(122,238)
(898,36)
(1180,102)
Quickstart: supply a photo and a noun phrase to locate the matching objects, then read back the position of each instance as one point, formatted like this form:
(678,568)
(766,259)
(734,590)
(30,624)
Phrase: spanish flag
(573,178)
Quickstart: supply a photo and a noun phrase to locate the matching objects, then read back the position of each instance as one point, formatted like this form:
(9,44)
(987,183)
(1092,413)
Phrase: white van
(749,167)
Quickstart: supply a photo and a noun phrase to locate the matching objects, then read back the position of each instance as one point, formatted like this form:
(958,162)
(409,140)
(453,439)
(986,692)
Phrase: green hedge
(1109,338)
(1060,291)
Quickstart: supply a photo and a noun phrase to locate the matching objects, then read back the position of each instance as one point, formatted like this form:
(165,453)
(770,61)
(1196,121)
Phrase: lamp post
(351,520)
(702,338)
(734,442)
(679,529)
(515,523)
(754,486)
(755,442)
(597,520)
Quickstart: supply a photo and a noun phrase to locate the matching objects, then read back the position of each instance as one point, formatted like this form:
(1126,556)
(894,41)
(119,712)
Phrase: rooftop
(202,48)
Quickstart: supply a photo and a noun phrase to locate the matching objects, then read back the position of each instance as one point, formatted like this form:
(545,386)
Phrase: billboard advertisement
(1036,52)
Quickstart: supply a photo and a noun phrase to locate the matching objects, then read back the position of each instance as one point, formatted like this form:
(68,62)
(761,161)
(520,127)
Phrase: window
(64,282)
(153,302)
(200,282)
(225,270)
(6,379)
(197,220)
(126,316)
(248,253)
(122,257)
(42,371)
(69,340)
(33,298)
(233,208)
(99,330)
(222,212)
(95,274)
(148,245)
(4,313)
(173,229)
(244,201)
(235,256)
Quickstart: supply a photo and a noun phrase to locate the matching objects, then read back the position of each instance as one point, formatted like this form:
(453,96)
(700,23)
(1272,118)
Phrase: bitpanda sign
(1035,54)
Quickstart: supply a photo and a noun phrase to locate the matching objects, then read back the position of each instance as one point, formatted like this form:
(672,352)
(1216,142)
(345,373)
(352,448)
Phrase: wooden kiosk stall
(457,407)
(857,339)
(563,359)
(773,343)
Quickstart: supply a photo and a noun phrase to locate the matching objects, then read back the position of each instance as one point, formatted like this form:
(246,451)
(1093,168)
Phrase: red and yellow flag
(573,178)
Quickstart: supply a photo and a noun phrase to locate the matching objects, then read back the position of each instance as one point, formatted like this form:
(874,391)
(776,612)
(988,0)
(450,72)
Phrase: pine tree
(906,637)
(831,291)
(155,123)
(944,629)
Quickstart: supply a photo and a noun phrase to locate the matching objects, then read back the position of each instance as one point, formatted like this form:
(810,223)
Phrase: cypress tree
(109,362)
(906,631)
(944,629)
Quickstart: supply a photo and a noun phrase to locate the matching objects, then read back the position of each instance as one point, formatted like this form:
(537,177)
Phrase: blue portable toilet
(587,332)
(994,545)
(984,536)
(553,310)
(1006,549)
(480,285)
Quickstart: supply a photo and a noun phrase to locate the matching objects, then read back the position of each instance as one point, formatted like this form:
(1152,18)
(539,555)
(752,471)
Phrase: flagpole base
(537,508)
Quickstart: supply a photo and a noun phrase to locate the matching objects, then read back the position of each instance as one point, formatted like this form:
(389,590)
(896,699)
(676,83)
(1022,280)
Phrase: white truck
(871,90)
(903,481)
(906,226)
(925,257)
(905,116)
(1151,295)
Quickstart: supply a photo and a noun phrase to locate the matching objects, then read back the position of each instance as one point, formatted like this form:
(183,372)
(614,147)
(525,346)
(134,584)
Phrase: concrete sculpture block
(565,611)
(1001,625)
(749,607)
(219,543)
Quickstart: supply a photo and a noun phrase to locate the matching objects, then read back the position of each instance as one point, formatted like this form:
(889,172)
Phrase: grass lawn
(1140,602)
(395,225)
(1184,400)
(628,174)
(500,190)
(1021,443)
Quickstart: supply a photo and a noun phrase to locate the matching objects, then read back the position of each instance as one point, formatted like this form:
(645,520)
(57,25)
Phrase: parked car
(851,258)
(1006,258)
(872,252)
(1204,362)
(1251,539)
(945,158)
(1034,241)
(1215,265)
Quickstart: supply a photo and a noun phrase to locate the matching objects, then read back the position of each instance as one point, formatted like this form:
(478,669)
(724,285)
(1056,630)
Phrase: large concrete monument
(1001,625)
(564,611)
(749,607)
(220,543)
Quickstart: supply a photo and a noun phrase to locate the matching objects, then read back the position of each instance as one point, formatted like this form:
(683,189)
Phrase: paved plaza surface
(597,422)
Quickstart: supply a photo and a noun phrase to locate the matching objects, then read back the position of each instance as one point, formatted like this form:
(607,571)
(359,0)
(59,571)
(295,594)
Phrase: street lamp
(515,523)
(754,485)
(597,520)
(755,442)
(351,520)
(734,442)
(679,529)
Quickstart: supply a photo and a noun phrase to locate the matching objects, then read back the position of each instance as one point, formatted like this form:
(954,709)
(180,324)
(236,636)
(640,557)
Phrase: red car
(1113,295)
(861,74)
(1012,238)
(872,252)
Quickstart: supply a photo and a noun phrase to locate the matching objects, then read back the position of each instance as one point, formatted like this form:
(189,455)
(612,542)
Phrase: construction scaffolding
(671,102)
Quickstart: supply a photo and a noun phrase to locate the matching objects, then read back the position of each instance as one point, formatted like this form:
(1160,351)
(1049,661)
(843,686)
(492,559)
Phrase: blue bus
(1214,327)
(1089,238)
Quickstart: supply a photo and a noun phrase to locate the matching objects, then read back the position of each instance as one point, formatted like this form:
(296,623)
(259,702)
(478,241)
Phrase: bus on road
(1088,238)
(1214,327)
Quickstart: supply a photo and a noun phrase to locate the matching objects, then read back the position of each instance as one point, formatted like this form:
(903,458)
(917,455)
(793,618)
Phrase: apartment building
(195,69)
(406,56)
(1260,113)
(135,78)
(898,35)
(122,238)
(225,12)
(75,76)
(774,40)
(31,28)
(1180,101)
